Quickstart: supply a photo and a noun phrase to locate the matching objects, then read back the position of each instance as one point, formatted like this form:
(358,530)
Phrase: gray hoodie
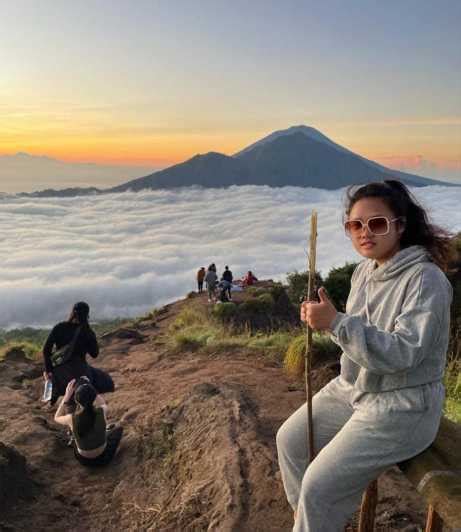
(395,331)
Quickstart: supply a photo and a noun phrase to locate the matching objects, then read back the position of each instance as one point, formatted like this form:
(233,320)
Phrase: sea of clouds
(127,253)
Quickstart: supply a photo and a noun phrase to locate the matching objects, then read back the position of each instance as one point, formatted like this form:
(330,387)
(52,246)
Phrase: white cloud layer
(126,253)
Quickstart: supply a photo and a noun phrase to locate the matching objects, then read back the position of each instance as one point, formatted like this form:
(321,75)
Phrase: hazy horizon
(23,172)
(127,253)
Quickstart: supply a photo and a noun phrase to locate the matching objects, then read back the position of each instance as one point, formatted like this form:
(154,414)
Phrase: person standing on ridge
(211,280)
(386,405)
(200,276)
(227,276)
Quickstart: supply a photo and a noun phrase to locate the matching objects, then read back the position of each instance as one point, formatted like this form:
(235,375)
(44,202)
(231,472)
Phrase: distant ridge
(299,156)
(65,192)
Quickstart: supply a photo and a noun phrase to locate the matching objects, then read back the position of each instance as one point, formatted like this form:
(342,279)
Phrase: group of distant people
(221,290)
(82,409)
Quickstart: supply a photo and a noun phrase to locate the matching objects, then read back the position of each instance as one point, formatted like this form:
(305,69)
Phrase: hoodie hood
(401,261)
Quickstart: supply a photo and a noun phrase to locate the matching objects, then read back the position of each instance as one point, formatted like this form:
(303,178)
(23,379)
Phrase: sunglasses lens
(378,226)
(353,226)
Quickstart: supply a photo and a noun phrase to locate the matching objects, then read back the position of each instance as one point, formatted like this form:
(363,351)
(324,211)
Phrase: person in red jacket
(249,279)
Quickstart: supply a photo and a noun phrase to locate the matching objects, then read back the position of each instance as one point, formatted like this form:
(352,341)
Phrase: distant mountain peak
(308,131)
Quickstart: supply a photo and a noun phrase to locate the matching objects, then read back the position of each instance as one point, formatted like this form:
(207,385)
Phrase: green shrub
(338,284)
(269,309)
(283,307)
(224,312)
(255,291)
(256,313)
(297,285)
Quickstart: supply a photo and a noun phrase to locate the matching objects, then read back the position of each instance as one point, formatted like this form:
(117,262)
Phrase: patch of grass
(26,334)
(192,337)
(452,383)
(293,361)
(195,330)
(452,410)
(274,344)
(225,343)
(323,348)
(188,316)
(30,349)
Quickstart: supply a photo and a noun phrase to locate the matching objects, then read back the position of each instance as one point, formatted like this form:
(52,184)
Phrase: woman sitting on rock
(93,444)
(386,405)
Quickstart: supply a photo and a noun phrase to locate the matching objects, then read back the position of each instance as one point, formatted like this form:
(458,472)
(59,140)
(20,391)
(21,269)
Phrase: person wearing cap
(94,443)
(76,337)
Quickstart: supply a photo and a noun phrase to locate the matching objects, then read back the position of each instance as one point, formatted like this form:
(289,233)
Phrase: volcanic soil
(198,451)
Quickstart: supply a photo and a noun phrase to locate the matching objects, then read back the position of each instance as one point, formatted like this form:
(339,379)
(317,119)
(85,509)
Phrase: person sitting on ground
(227,276)
(93,444)
(200,276)
(73,339)
(211,280)
(223,291)
(249,279)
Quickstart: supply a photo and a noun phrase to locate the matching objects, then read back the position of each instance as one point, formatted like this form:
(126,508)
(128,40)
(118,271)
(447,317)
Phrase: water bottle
(47,390)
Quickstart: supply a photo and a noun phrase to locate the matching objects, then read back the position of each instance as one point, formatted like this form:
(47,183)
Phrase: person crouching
(93,444)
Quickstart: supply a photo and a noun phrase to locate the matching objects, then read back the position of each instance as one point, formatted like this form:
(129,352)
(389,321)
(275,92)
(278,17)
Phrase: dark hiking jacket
(61,335)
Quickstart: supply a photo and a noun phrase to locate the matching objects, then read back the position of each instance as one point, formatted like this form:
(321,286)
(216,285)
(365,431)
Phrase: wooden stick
(434,522)
(307,354)
(368,508)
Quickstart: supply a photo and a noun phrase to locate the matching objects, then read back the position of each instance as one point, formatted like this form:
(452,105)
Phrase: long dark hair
(81,311)
(418,228)
(85,415)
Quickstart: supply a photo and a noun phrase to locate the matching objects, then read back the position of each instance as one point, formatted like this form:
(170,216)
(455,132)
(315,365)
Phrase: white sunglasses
(377,225)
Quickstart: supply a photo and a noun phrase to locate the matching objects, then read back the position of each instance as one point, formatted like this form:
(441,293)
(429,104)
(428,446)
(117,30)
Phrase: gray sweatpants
(357,436)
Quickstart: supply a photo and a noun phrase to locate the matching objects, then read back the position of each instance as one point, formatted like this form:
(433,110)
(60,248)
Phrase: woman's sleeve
(47,350)
(355,273)
(424,314)
(92,346)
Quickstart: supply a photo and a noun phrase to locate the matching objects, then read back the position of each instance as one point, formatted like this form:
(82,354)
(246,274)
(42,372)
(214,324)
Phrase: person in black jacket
(227,276)
(79,339)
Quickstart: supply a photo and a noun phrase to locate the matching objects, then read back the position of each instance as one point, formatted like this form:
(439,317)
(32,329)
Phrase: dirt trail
(198,452)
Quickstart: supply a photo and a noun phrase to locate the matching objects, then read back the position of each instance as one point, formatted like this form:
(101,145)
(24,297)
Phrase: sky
(128,253)
(146,84)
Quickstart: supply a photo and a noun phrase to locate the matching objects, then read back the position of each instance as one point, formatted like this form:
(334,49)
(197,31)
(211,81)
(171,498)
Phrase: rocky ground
(198,452)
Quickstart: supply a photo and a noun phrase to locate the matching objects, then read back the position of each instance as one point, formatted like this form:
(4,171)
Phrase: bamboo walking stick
(307,354)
